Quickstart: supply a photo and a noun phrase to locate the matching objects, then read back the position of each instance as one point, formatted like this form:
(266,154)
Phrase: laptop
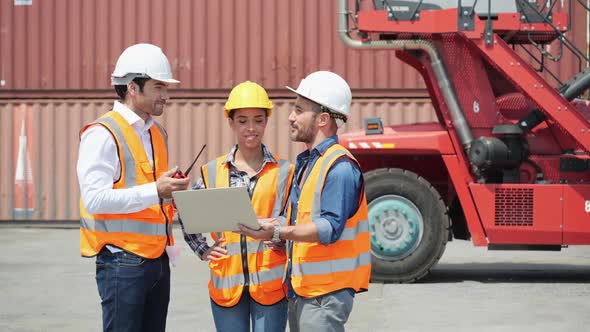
(215,210)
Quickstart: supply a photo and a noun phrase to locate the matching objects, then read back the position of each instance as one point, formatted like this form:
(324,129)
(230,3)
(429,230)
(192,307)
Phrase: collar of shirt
(132,118)
(268,158)
(318,150)
(306,159)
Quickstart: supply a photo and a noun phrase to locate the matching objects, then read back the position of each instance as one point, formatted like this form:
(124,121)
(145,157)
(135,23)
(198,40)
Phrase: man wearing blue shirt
(326,222)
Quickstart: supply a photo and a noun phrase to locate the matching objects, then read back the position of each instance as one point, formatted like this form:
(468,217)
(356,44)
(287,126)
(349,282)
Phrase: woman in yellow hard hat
(246,274)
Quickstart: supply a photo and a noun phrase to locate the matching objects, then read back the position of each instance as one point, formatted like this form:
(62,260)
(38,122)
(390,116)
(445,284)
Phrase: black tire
(408,186)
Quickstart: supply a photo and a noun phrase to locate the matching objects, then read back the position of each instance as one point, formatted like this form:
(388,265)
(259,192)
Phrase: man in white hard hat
(327,231)
(126,187)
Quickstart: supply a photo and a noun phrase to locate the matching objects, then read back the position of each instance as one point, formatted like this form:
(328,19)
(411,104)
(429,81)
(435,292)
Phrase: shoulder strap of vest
(325,163)
(283,185)
(93,124)
(113,121)
(209,172)
(162,132)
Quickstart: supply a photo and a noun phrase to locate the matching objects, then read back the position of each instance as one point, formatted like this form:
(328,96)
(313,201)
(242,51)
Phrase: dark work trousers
(134,291)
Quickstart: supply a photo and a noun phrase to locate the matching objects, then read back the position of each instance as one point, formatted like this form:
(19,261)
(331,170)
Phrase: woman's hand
(215,252)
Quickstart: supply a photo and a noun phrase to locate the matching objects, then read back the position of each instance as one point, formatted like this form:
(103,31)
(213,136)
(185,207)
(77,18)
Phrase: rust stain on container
(190,123)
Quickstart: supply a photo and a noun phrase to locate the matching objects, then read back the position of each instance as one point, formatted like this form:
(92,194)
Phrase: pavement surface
(47,286)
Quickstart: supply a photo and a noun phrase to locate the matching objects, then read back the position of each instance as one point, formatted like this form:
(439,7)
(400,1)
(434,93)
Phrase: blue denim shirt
(343,187)
(340,195)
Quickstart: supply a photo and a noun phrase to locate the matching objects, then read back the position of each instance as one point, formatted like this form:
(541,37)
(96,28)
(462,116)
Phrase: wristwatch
(276,234)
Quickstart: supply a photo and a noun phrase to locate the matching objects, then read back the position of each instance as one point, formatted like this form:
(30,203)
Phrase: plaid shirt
(237,178)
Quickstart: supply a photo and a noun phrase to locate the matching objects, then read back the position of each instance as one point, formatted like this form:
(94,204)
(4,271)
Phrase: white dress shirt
(99,167)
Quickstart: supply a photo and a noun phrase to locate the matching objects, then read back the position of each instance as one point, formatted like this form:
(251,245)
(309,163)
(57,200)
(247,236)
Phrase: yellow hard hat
(248,95)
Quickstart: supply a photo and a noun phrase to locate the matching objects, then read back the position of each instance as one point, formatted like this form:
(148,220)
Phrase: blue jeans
(265,318)
(134,291)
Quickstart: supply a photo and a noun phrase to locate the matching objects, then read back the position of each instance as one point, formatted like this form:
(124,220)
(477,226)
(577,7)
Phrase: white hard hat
(327,89)
(142,60)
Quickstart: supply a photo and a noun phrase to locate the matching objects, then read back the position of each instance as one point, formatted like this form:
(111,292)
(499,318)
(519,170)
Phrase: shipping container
(39,143)
(56,57)
(68,48)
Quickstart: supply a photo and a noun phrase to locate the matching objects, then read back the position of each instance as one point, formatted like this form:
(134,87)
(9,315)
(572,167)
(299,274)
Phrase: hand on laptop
(265,232)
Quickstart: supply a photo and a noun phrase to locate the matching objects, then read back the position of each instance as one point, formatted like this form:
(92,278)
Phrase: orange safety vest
(319,269)
(264,266)
(144,233)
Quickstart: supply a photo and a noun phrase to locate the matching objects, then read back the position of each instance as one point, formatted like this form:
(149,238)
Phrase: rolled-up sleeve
(340,199)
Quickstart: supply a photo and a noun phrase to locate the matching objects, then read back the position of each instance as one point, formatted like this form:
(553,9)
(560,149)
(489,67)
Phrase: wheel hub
(396,227)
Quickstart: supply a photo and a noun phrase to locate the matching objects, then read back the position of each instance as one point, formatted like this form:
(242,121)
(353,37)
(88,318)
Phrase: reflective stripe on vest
(329,159)
(147,232)
(350,233)
(282,189)
(163,133)
(255,277)
(336,265)
(129,176)
(128,226)
(265,266)
(252,247)
(320,269)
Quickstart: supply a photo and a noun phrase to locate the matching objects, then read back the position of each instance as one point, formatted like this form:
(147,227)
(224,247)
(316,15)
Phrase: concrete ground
(47,286)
